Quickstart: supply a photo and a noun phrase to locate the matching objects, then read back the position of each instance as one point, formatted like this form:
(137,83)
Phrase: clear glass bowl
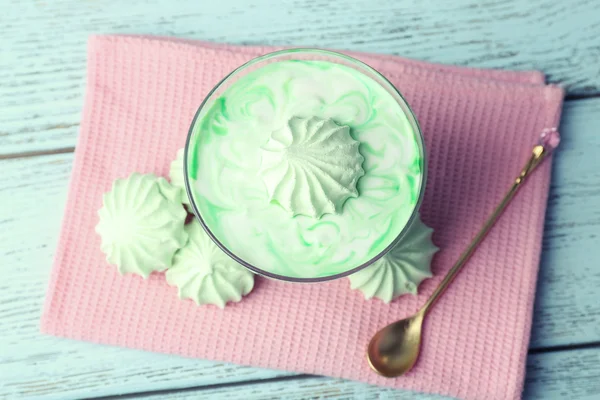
(308,55)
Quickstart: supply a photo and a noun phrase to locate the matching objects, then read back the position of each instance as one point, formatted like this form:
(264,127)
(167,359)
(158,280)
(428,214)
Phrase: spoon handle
(537,155)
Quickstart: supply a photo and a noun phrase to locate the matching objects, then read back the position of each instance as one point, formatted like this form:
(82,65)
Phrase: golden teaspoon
(394,349)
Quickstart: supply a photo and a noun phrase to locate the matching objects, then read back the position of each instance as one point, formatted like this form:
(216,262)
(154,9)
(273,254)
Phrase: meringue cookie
(311,166)
(204,273)
(176,174)
(141,224)
(402,269)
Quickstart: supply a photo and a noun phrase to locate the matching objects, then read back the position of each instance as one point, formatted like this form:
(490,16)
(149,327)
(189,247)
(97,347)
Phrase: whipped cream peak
(311,166)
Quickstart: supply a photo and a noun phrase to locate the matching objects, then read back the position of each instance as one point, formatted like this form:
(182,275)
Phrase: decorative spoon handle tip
(549,139)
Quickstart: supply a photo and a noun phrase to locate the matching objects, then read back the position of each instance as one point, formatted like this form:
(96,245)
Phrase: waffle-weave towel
(479,126)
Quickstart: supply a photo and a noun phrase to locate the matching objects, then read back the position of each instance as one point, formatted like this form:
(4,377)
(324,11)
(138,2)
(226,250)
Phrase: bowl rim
(403,104)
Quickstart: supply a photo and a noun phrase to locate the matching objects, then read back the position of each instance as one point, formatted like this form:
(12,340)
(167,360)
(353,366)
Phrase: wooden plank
(32,195)
(549,376)
(567,309)
(42,57)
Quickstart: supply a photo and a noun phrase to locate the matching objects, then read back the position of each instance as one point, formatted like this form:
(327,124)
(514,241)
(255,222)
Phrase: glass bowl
(203,114)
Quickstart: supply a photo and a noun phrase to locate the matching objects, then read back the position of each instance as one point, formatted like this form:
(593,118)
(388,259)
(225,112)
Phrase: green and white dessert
(305,169)
(402,269)
(203,273)
(141,224)
(177,177)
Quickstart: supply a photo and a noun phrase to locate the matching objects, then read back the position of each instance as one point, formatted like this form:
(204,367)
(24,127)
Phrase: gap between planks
(208,387)
(553,349)
(71,149)
(26,154)
(198,389)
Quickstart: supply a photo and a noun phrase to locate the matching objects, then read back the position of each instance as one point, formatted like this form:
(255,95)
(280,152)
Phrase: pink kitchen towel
(479,128)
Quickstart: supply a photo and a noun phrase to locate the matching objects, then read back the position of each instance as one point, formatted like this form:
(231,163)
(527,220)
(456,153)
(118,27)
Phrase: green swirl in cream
(226,152)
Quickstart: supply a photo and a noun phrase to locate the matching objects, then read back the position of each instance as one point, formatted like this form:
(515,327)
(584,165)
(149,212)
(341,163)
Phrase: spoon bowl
(395,348)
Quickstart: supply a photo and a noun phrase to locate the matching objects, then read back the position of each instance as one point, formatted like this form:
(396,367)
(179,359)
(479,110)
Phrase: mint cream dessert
(305,169)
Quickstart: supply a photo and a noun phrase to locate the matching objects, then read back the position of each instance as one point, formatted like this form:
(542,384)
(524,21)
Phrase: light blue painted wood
(42,57)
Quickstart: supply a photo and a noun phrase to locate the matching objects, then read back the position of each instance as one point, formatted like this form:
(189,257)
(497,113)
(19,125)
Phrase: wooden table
(42,77)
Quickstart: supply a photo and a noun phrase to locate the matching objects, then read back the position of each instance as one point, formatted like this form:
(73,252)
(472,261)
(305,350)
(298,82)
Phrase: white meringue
(141,224)
(402,269)
(204,273)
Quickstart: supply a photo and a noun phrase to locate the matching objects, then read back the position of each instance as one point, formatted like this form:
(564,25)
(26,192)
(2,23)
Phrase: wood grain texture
(549,376)
(567,309)
(33,192)
(42,57)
